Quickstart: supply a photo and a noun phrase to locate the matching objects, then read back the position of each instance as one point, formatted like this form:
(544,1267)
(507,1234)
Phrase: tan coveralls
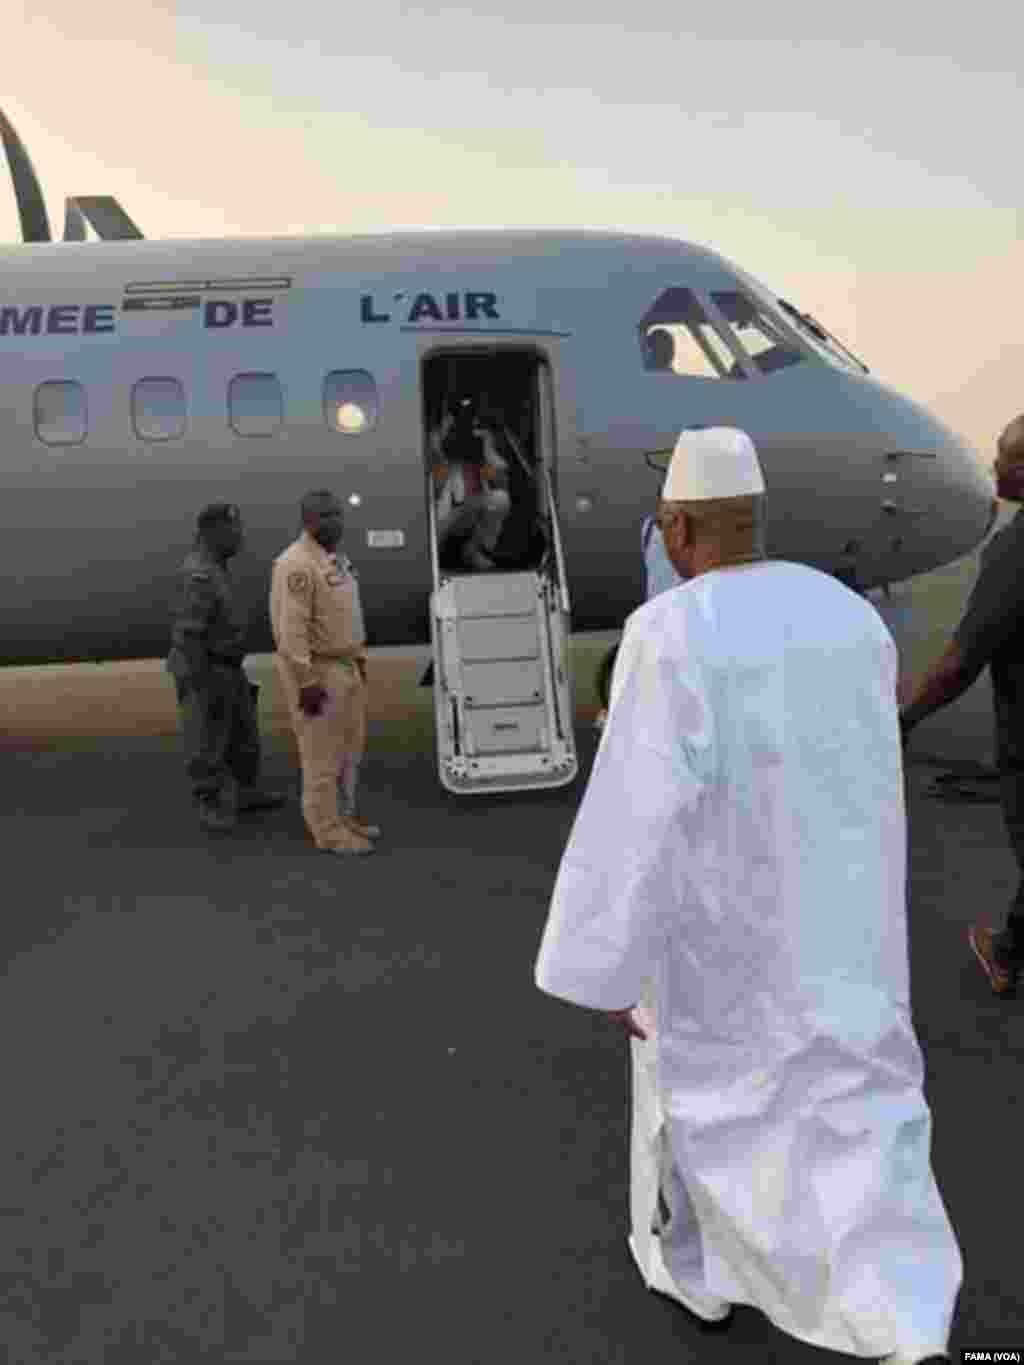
(317,620)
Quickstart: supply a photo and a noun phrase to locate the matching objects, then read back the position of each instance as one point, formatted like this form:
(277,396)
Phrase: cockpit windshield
(766,342)
(821,339)
(736,333)
(677,337)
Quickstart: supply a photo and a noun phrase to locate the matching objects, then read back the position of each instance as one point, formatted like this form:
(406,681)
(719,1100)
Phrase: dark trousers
(604,675)
(1010,943)
(219,732)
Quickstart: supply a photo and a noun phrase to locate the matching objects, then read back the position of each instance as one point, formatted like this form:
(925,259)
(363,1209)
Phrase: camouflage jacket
(206,627)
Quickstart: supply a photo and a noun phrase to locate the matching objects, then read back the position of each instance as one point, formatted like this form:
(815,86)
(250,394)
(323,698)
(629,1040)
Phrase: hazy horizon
(864,178)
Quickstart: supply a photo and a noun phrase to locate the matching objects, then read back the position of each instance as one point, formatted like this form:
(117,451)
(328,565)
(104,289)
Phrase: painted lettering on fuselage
(220,313)
(92,319)
(61,319)
(461,306)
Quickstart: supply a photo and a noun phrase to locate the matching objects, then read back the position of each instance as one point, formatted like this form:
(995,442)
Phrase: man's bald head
(1011,442)
(322,517)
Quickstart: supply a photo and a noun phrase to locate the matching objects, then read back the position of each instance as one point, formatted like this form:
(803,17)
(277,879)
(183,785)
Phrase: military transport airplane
(140,379)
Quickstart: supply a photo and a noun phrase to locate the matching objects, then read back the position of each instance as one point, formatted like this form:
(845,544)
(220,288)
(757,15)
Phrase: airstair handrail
(556,536)
(435,561)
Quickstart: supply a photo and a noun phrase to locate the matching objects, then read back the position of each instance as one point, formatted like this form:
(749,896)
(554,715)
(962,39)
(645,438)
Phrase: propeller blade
(35,225)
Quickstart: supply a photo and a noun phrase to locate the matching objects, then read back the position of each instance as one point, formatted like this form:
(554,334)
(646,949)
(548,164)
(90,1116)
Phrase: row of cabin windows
(159,410)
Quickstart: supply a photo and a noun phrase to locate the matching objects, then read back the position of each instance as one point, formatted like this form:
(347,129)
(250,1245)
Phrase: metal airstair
(502,689)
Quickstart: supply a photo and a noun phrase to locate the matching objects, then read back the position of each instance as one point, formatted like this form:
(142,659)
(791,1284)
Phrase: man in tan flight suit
(317,620)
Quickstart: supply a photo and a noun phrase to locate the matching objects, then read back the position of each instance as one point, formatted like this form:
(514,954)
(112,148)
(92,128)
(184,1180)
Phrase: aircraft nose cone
(963,491)
(937,494)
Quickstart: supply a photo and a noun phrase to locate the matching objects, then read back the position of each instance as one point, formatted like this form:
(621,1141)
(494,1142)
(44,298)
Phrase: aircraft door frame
(557,426)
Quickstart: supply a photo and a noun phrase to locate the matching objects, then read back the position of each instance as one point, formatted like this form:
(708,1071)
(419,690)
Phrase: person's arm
(191,630)
(494,470)
(947,679)
(621,880)
(293,594)
(994,610)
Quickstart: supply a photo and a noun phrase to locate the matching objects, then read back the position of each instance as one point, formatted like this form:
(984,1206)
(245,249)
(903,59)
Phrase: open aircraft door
(503,701)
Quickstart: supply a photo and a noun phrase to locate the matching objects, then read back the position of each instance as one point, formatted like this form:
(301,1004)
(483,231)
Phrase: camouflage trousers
(1010,943)
(219,732)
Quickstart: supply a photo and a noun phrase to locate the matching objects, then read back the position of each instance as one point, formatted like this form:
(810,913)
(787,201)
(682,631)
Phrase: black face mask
(326,538)
(221,543)
(462,442)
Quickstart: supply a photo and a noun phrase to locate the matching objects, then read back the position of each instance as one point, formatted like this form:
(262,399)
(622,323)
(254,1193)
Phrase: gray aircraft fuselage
(97,518)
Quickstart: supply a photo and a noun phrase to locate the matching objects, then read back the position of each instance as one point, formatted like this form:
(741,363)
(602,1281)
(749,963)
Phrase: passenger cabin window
(762,337)
(60,413)
(255,404)
(678,337)
(158,409)
(351,404)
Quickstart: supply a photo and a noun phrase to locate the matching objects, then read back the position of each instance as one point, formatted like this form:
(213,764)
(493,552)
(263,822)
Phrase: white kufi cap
(718,462)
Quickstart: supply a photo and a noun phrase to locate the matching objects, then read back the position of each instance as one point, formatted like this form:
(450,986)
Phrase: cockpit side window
(678,337)
(762,337)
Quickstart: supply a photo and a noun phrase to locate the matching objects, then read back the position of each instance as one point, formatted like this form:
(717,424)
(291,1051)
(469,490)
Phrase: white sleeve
(623,875)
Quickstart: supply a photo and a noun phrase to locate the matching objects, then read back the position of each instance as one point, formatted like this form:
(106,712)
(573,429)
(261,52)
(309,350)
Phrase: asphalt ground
(265,1105)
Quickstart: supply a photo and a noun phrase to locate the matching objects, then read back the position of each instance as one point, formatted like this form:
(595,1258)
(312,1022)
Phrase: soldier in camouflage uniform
(216,701)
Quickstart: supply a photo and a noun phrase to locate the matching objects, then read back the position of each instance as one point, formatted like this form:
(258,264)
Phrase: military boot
(216,818)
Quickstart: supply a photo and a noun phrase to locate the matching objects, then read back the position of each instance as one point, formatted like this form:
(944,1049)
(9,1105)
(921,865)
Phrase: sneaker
(216,819)
(1002,979)
(709,1310)
(258,798)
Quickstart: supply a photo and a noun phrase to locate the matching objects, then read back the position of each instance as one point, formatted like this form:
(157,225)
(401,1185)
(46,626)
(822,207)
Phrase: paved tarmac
(262,1105)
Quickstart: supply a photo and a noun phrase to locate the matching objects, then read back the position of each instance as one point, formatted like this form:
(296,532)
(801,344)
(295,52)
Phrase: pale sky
(858,158)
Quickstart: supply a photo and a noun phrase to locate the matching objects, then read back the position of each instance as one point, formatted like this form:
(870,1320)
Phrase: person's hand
(312,699)
(625,1019)
(489,471)
(440,473)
